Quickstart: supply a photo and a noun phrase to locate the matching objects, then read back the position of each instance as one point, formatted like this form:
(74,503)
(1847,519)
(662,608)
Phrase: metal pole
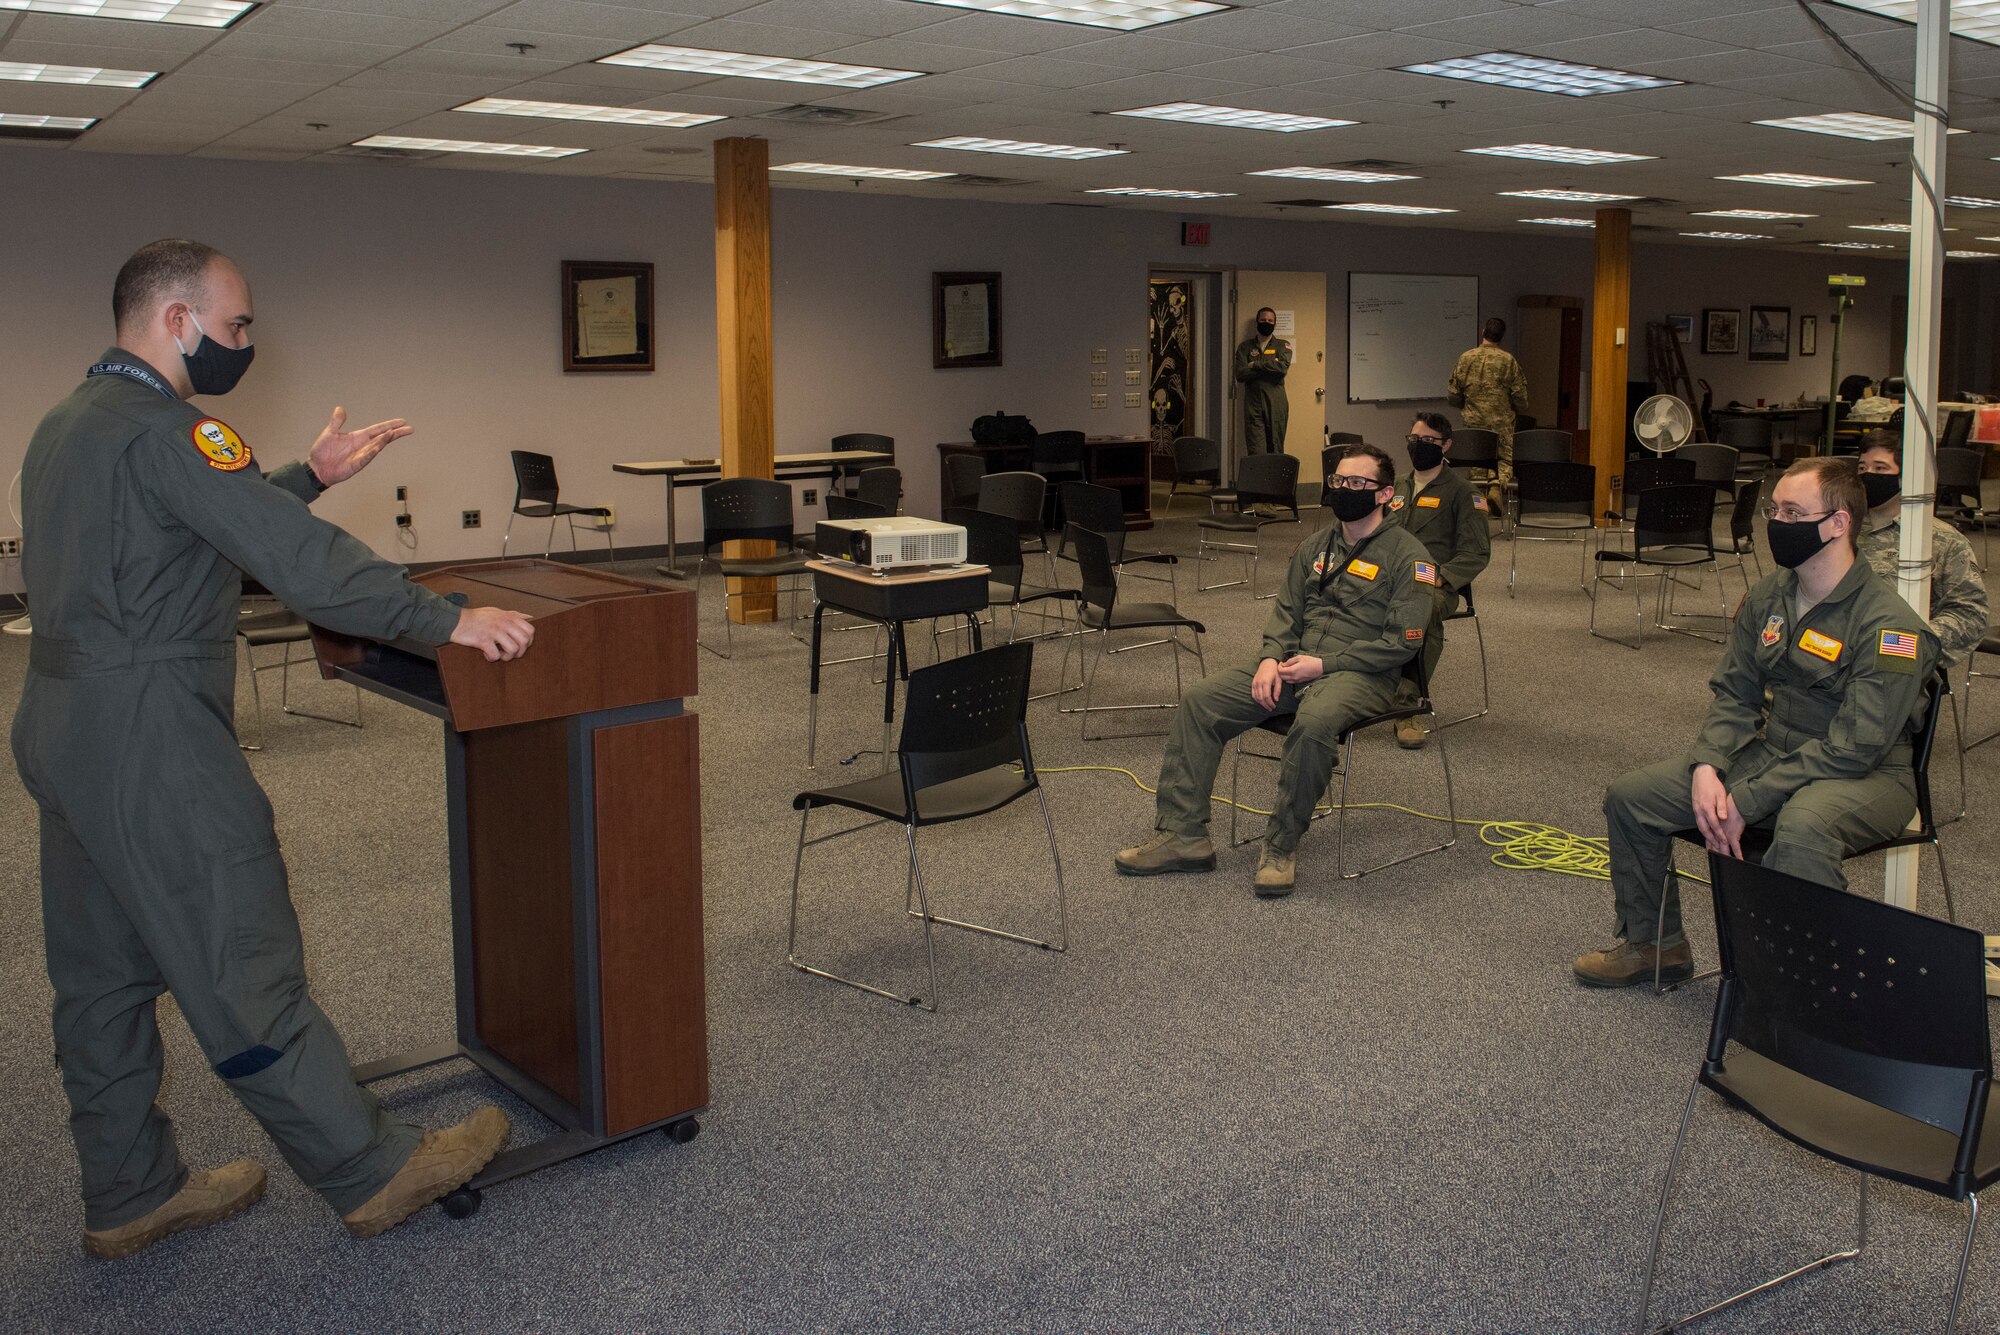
(1920,367)
(1833,370)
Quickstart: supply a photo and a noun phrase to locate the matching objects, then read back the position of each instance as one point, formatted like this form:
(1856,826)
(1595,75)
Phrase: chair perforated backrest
(1957,429)
(990,540)
(1267,479)
(966,715)
(1058,449)
(1958,473)
(882,486)
(1922,746)
(1096,575)
(1473,447)
(1645,473)
(963,472)
(1018,495)
(534,478)
(1338,438)
(1099,509)
(1555,488)
(1744,515)
(864,440)
(1745,433)
(745,508)
(1197,459)
(1682,515)
(1879,1002)
(840,506)
(1542,446)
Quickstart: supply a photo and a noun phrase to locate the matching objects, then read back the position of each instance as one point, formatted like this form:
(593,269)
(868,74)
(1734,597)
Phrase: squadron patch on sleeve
(220,445)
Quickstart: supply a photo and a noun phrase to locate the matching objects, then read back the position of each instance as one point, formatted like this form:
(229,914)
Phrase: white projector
(894,543)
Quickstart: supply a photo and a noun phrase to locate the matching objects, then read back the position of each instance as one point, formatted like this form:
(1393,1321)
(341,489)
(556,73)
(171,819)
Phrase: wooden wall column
(743,338)
(1610,348)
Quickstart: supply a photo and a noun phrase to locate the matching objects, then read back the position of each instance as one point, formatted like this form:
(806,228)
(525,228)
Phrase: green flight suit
(1261,366)
(1488,384)
(1825,763)
(1449,518)
(1362,610)
(1958,595)
(160,863)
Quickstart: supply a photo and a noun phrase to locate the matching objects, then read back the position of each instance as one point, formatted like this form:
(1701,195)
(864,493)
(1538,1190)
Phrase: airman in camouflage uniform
(1958,595)
(1489,385)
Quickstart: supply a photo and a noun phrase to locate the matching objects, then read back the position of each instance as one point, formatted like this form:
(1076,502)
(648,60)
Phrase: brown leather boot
(1276,872)
(1629,963)
(1165,852)
(204,1199)
(443,1162)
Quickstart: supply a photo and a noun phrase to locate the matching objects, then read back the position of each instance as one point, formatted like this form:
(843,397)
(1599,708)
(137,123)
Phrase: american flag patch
(1899,644)
(1479,502)
(1428,574)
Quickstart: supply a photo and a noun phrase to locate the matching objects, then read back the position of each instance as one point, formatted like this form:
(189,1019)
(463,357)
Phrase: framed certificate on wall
(607,316)
(965,319)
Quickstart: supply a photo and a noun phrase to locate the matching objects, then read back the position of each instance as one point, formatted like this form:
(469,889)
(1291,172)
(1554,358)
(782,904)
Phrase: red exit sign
(1194,234)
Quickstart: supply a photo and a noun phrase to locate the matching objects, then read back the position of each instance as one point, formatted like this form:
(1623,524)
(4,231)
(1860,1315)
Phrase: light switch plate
(1134,400)
(1099,401)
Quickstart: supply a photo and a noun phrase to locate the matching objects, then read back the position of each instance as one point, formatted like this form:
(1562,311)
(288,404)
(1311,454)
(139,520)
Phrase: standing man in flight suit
(160,862)
(1350,614)
(1439,507)
(1261,364)
(1820,690)
(1489,386)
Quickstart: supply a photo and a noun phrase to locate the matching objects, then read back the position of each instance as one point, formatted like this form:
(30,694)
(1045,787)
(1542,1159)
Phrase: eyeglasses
(1789,514)
(1347,482)
(1423,440)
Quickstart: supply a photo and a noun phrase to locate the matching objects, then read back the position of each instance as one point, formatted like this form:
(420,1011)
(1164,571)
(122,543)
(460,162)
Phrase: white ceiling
(366,67)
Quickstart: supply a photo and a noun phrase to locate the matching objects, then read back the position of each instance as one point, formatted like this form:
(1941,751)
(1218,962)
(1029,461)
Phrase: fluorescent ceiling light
(1334,174)
(1200,113)
(79,74)
(1987,238)
(1023,147)
(1972,202)
(1569,196)
(1976,19)
(1388,208)
(188,13)
(1561,222)
(1582,157)
(1147,192)
(1792,178)
(1855,245)
(876,173)
(577,111)
(465,146)
(1510,70)
(14,121)
(1122,15)
(1849,125)
(1970,255)
(1888,227)
(1730,236)
(740,65)
(1760,215)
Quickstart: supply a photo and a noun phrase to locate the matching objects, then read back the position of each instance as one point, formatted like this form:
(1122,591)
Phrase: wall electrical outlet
(1098,356)
(1099,379)
(468,519)
(1099,401)
(9,548)
(402,493)
(812,495)
(402,521)
(1131,379)
(1134,400)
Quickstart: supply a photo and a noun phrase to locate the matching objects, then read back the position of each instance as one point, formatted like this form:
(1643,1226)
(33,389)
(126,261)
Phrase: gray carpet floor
(1380,1105)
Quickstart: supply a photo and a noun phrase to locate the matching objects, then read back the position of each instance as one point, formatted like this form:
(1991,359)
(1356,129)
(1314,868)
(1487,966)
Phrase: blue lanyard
(144,377)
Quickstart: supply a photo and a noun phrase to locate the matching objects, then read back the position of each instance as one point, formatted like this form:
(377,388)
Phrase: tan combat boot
(1165,852)
(443,1162)
(1411,733)
(1628,964)
(204,1199)
(1276,872)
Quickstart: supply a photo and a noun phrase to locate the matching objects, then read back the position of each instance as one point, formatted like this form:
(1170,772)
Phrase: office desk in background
(829,464)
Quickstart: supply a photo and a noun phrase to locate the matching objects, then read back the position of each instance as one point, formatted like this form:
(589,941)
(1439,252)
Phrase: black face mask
(1350,505)
(1426,454)
(1795,542)
(1265,328)
(212,368)
(1881,487)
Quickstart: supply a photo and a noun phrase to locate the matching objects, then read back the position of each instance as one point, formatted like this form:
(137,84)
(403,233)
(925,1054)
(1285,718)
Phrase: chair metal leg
(728,635)
(1485,687)
(257,698)
(1058,946)
(1944,875)
(1671,887)
(1340,827)
(505,534)
(1964,1260)
(549,547)
(915,873)
(285,695)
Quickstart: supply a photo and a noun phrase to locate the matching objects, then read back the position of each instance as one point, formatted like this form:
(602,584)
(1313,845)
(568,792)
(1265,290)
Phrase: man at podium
(159,860)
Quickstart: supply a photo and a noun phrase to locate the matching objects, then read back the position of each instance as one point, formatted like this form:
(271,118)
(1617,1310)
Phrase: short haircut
(1385,467)
(170,270)
(1274,314)
(1878,439)
(1437,422)
(1494,330)
(1839,482)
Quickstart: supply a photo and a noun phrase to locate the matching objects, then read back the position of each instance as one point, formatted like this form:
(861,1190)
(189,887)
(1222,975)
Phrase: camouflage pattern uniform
(1958,595)
(1488,385)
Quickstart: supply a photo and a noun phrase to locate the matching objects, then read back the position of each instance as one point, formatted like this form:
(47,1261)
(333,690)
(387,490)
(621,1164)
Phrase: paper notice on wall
(966,329)
(607,317)
(1285,324)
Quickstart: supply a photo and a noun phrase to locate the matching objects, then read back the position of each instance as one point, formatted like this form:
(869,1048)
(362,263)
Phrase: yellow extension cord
(1519,845)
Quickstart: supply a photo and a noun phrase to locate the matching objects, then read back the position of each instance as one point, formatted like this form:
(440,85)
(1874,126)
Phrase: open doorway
(1186,386)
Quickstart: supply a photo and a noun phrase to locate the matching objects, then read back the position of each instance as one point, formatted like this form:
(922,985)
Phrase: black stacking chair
(1196,459)
(1467,611)
(1743,531)
(1102,511)
(1714,467)
(853,441)
(537,496)
(1336,439)
(962,473)
(842,506)
(747,509)
(1473,448)
(1750,437)
(1857,1031)
(1058,456)
(1757,838)
(1642,472)
(881,486)
(1103,613)
(1553,501)
(1261,479)
(1674,532)
(1957,430)
(1541,445)
(1228,496)
(993,541)
(1280,724)
(1020,496)
(1990,646)
(282,627)
(964,753)
(1959,500)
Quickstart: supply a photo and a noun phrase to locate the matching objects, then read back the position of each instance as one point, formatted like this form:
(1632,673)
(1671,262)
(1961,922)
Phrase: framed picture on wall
(1770,333)
(1722,332)
(1683,327)
(965,319)
(1808,335)
(607,316)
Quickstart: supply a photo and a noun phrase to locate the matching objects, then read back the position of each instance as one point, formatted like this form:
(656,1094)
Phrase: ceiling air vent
(805,113)
(1373,165)
(45,133)
(1303,203)
(967,178)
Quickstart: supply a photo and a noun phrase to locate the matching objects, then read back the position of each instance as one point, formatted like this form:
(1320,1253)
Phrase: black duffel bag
(1000,429)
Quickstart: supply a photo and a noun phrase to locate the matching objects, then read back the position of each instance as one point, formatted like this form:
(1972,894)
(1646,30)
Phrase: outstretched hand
(338,455)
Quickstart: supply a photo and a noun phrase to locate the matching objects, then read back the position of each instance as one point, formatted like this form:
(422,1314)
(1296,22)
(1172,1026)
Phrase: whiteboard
(1405,332)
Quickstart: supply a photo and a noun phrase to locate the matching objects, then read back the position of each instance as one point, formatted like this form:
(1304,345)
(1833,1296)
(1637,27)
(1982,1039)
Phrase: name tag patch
(220,445)
(1363,568)
(1821,646)
(1427,502)
(1413,636)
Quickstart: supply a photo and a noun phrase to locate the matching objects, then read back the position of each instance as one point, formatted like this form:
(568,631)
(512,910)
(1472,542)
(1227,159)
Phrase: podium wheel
(683,1131)
(463,1203)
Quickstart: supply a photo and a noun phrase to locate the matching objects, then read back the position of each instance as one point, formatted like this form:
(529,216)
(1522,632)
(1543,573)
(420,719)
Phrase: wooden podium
(572,781)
